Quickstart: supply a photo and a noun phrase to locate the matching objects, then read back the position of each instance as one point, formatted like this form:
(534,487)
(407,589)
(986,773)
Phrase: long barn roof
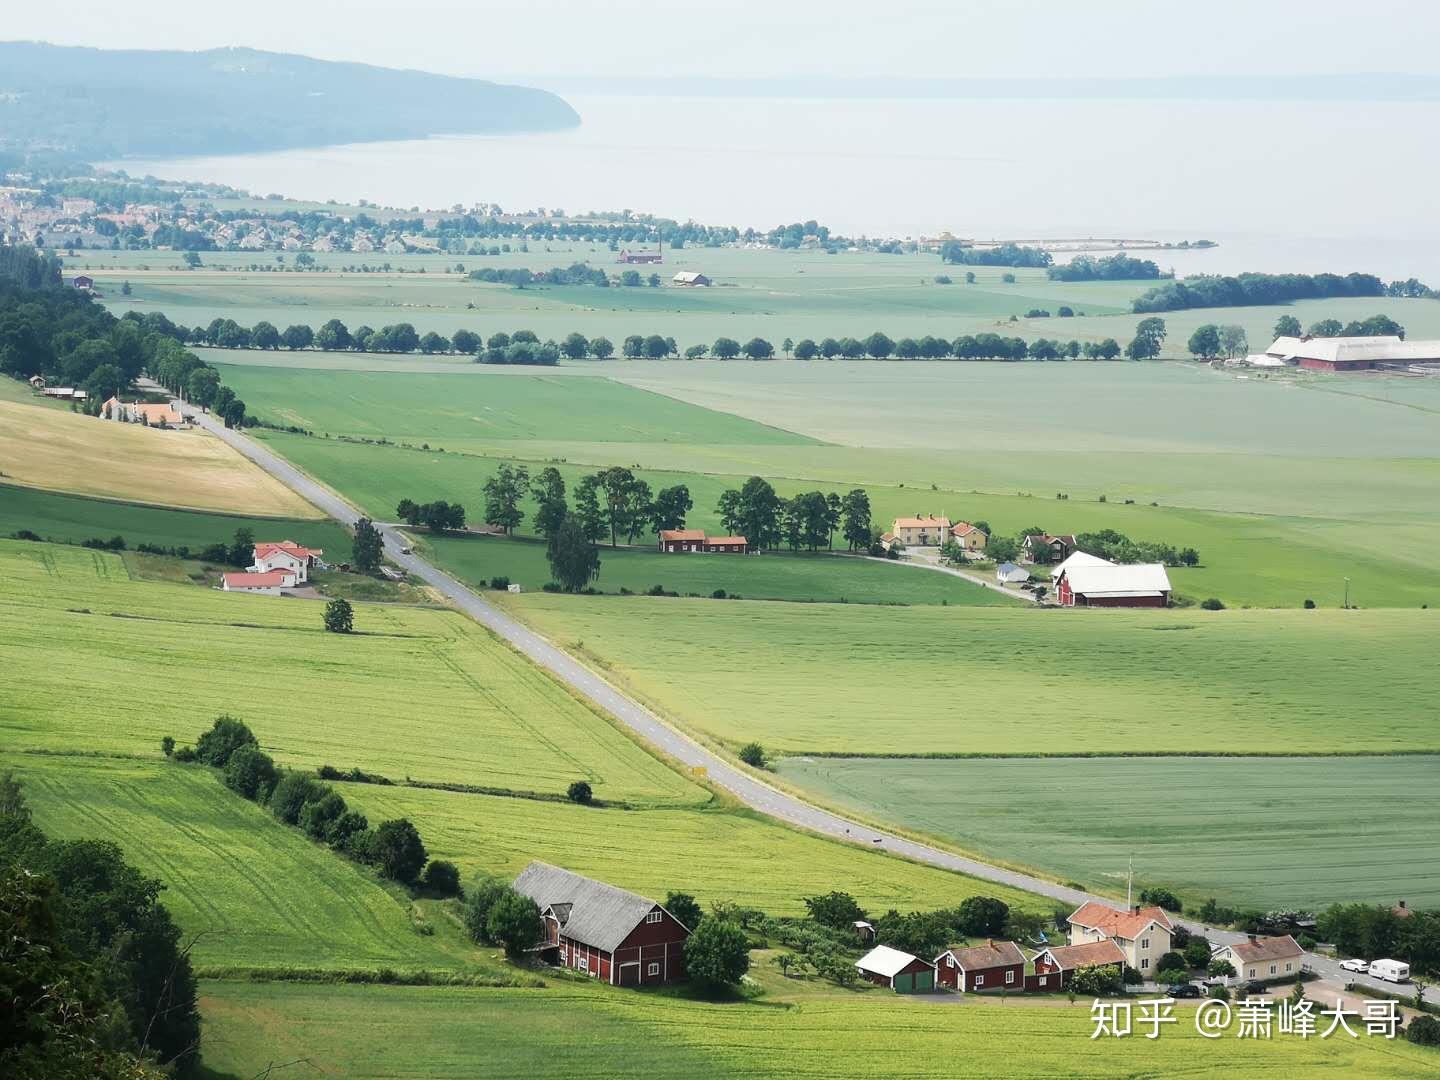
(599,914)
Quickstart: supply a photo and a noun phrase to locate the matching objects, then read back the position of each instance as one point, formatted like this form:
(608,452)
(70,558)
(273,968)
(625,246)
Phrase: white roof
(1338,349)
(1135,579)
(687,276)
(1079,558)
(1260,360)
(883,960)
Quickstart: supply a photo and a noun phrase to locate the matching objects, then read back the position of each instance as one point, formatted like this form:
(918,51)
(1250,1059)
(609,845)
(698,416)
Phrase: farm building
(83,281)
(37,382)
(968,536)
(633,257)
(673,540)
(1054,966)
(1107,585)
(608,933)
(286,555)
(1078,558)
(690,279)
(903,973)
(269,582)
(149,414)
(1264,957)
(996,965)
(65,393)
(1352,353)
(865,931)
(922,530)
(1142,933)
(1043,548)
(1007,573)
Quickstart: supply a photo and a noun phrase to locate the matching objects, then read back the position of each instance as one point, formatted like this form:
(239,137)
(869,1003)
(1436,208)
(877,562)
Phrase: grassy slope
(417,692)
(714,854)
(252,891)
(1317,830)
(994,681)
(73,518)
(569,1030)
(50,448)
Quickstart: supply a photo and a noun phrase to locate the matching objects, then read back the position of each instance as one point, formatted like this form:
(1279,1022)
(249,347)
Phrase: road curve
(750,790)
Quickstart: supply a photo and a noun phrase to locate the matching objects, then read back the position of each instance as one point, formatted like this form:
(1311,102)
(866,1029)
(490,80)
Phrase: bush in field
(339,616)
(753,754)
(1423,1031)
(398,850)
(250,772)
(226,736)
(441,878)
(717,953)
(479,899)
(579,792)
(1161,897)
(291,794)
(318,816)
(513,923)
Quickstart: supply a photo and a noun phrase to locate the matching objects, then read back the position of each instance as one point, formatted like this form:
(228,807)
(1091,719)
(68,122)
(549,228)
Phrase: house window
(949,960)
(562,954)
(1144,942)
(1009,976)
(1288,965)
(654,916)
(653,969)
(1044,980)
(1272,969)
(1144,962)
(583,961)
(979,980)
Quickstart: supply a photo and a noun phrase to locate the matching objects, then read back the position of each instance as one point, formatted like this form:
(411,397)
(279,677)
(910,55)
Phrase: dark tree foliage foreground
(514,923)
(574,560)
(398,850)
(339,616)
(717,953)
(366,550)
(685,908)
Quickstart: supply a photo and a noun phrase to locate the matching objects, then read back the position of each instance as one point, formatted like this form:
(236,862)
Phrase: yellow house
(926,530)
(1264,957)
(968,536)
(1143,934)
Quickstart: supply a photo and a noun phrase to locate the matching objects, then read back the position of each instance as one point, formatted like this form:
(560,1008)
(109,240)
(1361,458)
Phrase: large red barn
(996,965)
(606,932)
(1107,585)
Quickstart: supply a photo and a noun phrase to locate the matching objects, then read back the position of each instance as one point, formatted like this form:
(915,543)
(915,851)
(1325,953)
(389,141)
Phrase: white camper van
(1390,970)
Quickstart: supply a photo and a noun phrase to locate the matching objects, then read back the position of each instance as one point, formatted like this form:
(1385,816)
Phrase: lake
(1302,186)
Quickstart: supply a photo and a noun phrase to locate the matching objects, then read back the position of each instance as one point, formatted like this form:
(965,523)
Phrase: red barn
(1106,585)
(608,933)
(1055,966)
(1353,353)
(727,545)
(903,973)
(996,965)
(672,540)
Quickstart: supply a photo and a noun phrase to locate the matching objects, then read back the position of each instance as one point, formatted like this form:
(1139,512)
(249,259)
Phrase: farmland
(352,1031)
(253,892)
(1315,831)
(715,854)
(72,519)
(58,450)
(417,692)
(839,678)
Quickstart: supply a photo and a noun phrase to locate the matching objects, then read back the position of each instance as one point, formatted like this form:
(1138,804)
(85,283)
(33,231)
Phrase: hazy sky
(533,39)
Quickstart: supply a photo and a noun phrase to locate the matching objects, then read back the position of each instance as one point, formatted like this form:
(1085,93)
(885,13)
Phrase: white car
(1359,967)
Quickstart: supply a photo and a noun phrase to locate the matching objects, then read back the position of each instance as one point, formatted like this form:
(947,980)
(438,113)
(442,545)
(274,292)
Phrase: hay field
(57,450)
(1317,831)
(932,680)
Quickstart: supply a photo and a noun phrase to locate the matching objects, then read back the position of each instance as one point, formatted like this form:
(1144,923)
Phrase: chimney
(1136,909)
(1254,940)
(1401,905)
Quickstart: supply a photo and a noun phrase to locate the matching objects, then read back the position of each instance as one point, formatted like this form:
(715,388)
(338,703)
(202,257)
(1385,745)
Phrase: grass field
(73,518)
(715,854)
(564,1031)
(421,693)
(1316,831)
(840,678)
(775,576)
(251,891)
(54,449)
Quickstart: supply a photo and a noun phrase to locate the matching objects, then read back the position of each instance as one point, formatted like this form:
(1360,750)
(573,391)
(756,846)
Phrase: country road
(747,788)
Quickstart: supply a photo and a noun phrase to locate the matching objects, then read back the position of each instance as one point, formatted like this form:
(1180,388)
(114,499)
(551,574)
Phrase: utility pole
(1347,594)
(1130,884)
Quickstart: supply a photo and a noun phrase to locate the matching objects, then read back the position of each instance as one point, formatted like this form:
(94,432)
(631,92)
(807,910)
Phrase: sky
(537,40)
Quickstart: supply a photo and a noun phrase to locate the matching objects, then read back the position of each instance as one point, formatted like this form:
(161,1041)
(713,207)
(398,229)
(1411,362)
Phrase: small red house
(1055,966)
(672,540)
(727,545)
(608,933)
(996,965)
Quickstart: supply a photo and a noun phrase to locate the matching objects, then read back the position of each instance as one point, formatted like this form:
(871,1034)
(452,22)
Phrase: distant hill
(102,103)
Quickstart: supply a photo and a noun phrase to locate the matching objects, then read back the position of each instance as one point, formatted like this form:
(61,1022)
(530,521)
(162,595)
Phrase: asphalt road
(750,790)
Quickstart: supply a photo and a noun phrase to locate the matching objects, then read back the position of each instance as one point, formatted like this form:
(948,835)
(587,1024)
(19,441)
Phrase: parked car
(1254,986)
(1359,967)
(1396,971)
(1185,990)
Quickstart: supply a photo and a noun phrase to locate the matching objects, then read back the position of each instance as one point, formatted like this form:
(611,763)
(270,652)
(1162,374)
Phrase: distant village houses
(1337,354)
(690,279)
(923,530)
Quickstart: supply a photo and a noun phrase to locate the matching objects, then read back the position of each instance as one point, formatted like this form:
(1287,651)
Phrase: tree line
(93,973)
(1244,290)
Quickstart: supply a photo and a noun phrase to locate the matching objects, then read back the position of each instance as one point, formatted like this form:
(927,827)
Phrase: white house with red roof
(286,555)
(1142,933)
(1265,957)
(267,583)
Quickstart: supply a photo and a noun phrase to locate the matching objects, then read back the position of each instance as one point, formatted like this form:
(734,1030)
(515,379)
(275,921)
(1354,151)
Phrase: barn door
(629,974)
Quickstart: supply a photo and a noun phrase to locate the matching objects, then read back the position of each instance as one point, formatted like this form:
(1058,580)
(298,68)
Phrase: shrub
(1221,969)
(479,900)
(1212,604)
(753,754)
(167,745)
(291,793)
(717,953)
(1309,605)
(398,850)
(25,534)
(684,907)
(1174,963)
(1094,981)
(514,923)
(835,909)
(1219,993)
(441,878)
(1161,897)
(579,792)
(344,829)
(1197,952)
(982,916)
(185,753)
(501,583)
(718,594)
(318,816)
(1423,1031)
(250,772)
(226,736)
(339,616)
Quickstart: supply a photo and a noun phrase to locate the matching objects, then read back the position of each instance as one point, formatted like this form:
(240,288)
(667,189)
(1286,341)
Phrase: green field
(1262,832)
(565,1031)
(417,692)
(774,576)
(71,519)
(250,891)
(841,678)
(714,854)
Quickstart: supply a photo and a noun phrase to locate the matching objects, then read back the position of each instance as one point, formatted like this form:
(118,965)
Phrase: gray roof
(598,914)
